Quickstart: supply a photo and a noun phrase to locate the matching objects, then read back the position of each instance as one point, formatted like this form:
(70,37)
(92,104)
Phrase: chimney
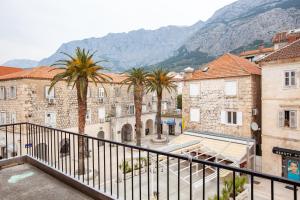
(188,72)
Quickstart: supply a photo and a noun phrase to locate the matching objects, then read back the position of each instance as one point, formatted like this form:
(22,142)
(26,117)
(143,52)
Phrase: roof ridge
(286,46)
(238,63)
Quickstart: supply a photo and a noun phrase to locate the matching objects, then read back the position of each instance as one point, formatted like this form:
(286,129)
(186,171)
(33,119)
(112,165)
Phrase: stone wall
(31,105)
(276,97)
(212,100)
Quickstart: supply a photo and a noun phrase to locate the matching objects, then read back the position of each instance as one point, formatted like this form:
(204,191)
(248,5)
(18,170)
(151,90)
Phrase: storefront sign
(286,152)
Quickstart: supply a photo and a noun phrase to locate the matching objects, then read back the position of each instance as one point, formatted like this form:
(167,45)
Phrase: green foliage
(125,167)
(252,46)
(179,101)
(78,70)
(227,191)
(160,80)
(184,59)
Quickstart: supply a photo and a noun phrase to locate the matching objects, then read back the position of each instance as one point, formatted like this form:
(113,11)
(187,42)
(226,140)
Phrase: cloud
(35,29)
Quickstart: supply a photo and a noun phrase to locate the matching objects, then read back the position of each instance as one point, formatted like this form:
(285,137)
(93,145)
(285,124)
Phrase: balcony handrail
(182,157)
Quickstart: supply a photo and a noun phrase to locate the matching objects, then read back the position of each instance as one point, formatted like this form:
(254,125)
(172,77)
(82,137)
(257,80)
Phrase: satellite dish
(254,126)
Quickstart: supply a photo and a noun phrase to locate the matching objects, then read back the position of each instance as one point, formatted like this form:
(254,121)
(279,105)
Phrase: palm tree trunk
(158,116)
(82,108)
(138,98)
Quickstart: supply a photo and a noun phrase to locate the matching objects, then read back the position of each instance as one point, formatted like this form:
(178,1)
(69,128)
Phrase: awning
(170,122)
(217,147)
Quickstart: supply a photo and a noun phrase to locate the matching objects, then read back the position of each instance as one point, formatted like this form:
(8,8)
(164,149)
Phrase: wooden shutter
(195,115)
(223,117)
(239,118)
(281,119)
(293,119)
(101,113)
(231,88)
(194,89)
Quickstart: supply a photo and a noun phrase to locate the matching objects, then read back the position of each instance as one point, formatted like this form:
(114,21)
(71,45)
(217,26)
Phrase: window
(13,118)
(88,116)
(194,90)
(131,110)
(101,114)
(144,108)
(13,92)
(117,91)
(288,118)
(89,92)
(195,115)
(231,117)
(290,78)
(101,92)
(2,93)
(50,119)
(165,105)
(230,88)
(49,95)
(2,118)
(119,110)
(154,106)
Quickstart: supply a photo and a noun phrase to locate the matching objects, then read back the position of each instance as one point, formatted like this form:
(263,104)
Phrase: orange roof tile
(257,51)
(8,70)
(227,65)
(45,72)
(289,51)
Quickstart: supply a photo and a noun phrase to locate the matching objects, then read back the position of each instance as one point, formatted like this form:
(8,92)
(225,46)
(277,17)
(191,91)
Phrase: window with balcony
(194,114)
(230,88)
(101,92)
(288,118)
(194,90)
(290,79)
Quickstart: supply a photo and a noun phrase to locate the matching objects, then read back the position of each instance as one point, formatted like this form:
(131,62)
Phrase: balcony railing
(130,172)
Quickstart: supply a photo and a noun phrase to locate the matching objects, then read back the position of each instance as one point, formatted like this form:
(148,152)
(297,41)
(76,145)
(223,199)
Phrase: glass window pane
(234,118)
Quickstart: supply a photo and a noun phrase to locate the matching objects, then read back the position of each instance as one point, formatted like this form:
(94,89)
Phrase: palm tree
(158,81)
(137,78)
(77,71)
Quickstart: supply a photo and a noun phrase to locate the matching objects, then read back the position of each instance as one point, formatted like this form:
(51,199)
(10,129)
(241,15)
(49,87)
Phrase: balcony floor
(27,182)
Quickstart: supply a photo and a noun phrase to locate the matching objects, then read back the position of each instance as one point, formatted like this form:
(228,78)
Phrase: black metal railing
(130,172)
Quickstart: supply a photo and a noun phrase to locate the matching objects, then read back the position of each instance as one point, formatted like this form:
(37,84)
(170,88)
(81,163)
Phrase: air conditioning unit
(254,111)
(51,101)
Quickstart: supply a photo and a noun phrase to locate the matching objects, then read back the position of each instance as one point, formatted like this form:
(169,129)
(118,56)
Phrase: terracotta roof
(289,51)
(45,72)
(257,51)
(289,36)
(8,70)
(280,37)
(227,65)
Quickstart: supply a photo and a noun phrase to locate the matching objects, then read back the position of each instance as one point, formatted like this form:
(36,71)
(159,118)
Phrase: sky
(34,29)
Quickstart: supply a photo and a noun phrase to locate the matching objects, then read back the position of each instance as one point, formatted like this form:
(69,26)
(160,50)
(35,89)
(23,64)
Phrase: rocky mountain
(24,63)
(135,48)
(242,25)
(235,27)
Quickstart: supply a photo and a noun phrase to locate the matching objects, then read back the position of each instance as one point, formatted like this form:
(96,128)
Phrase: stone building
(281,112)
(24,97)
(223,97)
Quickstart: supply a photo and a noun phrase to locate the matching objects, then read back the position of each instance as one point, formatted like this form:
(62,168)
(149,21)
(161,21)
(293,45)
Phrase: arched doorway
(101,136)
(40,151)
(149,127)
(65,147)
(126,133)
